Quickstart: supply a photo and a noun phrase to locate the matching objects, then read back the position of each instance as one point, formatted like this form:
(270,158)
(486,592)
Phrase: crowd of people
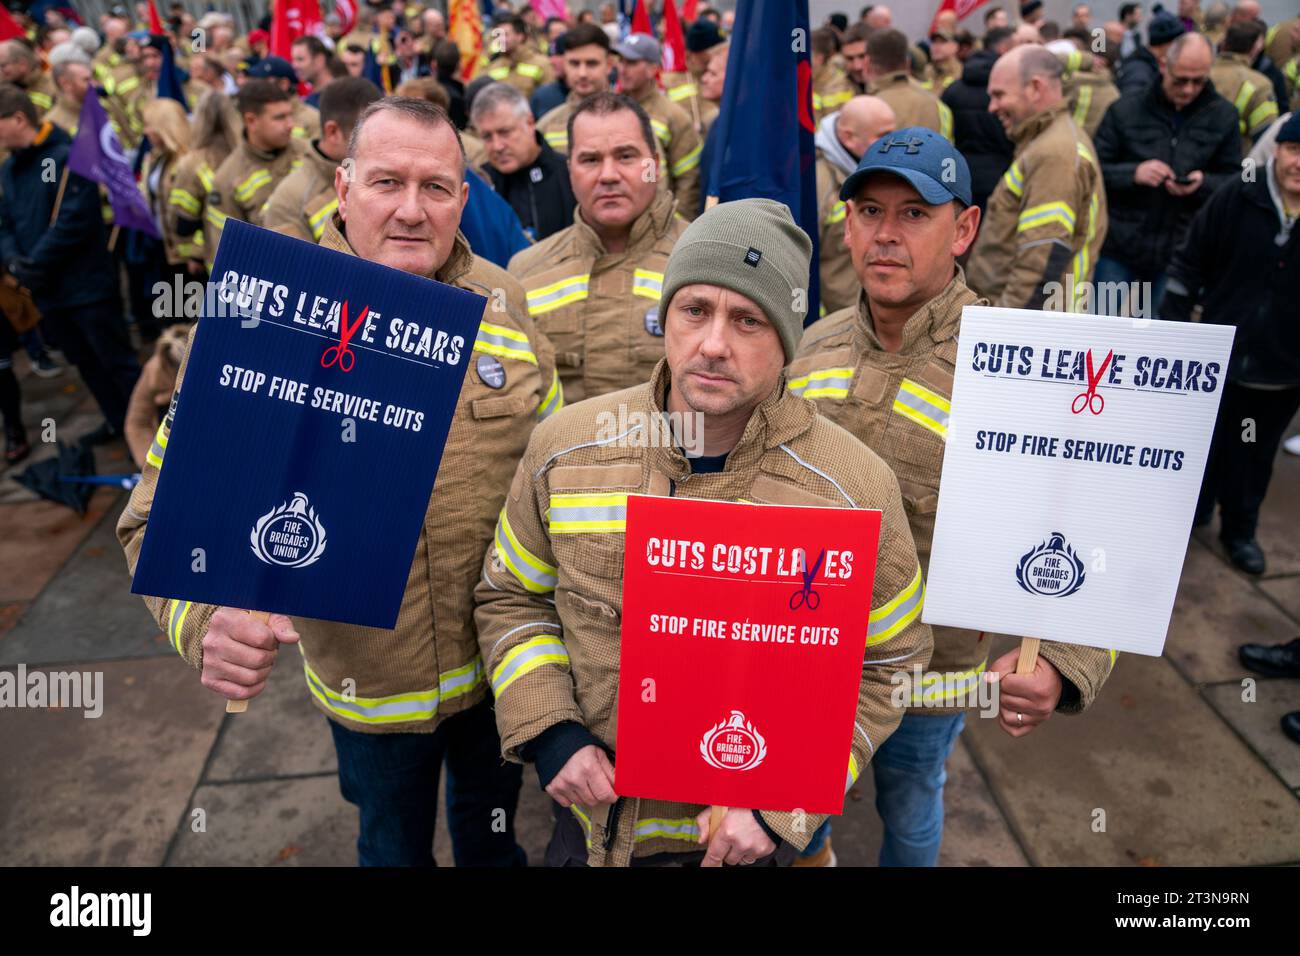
(1147,166)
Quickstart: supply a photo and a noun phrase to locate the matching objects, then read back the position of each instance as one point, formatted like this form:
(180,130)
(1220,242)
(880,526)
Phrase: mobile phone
(1183,180)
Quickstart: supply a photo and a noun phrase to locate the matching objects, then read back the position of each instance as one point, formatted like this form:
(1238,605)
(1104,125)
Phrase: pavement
(1179,763)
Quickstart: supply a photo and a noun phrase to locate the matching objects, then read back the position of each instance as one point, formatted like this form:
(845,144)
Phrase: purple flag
(97,154)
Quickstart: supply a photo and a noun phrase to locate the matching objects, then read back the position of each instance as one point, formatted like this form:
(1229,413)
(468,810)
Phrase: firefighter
(301,205)
(550,598)
(515,60)
(266,154)
(889,79)
(883,370)
(399,701)
(1046,219)
(1249,91)
(587,64)
(593,288)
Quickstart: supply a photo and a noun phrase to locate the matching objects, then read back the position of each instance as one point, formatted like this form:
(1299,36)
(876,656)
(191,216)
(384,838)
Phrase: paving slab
(1286,592)
(89,613)
(1280,517)
(1216,610)
(40,536)
(281,734)
(107,791)
(1176,784)
(1257,721)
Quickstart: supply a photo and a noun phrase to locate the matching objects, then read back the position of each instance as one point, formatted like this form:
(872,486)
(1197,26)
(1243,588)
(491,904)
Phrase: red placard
(744,628)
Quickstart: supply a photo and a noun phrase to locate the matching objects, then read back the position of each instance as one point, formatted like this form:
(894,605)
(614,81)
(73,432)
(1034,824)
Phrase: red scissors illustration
(342,353)
(806,596)
(1090,399)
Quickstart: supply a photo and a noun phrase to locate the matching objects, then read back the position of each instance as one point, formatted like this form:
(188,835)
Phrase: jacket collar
(936,321)
(648,227)
(266,156)
(782,417)
(1024,131)
(458,264)
(897,78)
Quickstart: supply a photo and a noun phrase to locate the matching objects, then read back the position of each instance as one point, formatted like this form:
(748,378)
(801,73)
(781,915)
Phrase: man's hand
(1152,172)
(1174,189)
(238,652)
(587,778)
(739,840)
(1026,700)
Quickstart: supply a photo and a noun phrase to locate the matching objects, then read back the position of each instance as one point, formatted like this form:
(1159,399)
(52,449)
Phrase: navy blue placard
(262,502)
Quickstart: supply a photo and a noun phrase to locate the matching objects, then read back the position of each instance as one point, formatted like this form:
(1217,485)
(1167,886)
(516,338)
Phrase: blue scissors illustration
(342,353)
(806,596)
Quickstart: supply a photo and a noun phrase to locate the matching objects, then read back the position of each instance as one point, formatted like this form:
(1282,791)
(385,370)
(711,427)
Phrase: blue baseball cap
(922,157)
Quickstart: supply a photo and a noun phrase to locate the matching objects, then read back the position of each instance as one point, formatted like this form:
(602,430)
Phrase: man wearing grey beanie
(550,598)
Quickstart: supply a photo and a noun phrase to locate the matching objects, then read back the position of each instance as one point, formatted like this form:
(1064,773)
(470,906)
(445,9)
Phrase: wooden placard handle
(239,706)
(1028,655)
(716,814)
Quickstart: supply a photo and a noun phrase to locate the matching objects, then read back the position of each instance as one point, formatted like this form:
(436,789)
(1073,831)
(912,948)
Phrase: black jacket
(539,193)
(68,262)
(977,133)
(1137,71)
(456,94)
(1231,264)
(1147,223)
(548,97)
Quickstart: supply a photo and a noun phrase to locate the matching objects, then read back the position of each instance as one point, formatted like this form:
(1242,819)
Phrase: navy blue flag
(307,434)
(374,72)
(171,84)
(775,158)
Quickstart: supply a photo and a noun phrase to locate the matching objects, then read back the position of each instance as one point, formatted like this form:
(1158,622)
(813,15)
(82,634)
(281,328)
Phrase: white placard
(1064,511)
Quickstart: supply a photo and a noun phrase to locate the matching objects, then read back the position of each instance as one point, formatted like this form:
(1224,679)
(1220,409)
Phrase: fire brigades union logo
(733,744)
(1052,569)
(290,535)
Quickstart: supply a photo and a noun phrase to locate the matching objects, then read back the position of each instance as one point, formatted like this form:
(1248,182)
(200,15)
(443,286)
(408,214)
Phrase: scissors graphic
(1090,399)
(343,355)
(806,596)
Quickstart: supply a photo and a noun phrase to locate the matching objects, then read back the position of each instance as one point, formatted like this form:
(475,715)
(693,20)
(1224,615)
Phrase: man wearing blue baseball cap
(306,119)
(883,370)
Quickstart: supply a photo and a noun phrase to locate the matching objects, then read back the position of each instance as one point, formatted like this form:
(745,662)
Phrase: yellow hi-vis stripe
(396,708)
(530,70)
(527,657)
(1243,100)
(687,162)
(661,130)
(1081,108)
(558,294)
(216,217)
(587,513)
(852,777)
(529,570)
(1083,258)
(554,399)
(679,93)
(176,622)
(837,213)
(206,176)
(823,383)
(946,686)
(891,618)
(504,343)
(648,284)
(255,181)
(184,200)
(945,121)
(557,138)
(1014,180)
(159,447)
(1263,113)
(928,409)
(321,218)
(1048,212)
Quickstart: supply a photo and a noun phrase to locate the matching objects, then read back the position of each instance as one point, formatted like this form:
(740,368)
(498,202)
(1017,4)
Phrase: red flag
(960,7)
(688,10)
(465,29)
(9,28)
(347,13)
(641,19)
(155,21)
(292,19)
(674,60)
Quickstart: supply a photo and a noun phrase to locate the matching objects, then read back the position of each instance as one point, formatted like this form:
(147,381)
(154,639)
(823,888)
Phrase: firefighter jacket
(601,311)
(242,184)
(897,403)
(428,667)
(1045,221)
(913,104)
(831,90)
(1249,91)
(525,68)
(550,600)
(301,205)
(195,174)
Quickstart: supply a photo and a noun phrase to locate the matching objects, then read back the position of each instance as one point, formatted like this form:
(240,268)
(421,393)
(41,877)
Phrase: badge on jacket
(491,371)
(652,321)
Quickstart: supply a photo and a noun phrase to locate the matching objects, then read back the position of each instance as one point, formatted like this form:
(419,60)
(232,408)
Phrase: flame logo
(302,536)
(1052,569)
(735,724)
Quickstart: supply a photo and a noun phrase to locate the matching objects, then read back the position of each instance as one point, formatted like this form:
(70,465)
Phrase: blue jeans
(909,772)
(1114,270)
(393,780)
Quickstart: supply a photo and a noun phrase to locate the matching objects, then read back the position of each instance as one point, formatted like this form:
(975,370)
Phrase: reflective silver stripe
(909,606)
(669,829)
(505,673)
(516,348)
(422,706)
(463,679)
(533,573)
(818,471)
(919,404)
